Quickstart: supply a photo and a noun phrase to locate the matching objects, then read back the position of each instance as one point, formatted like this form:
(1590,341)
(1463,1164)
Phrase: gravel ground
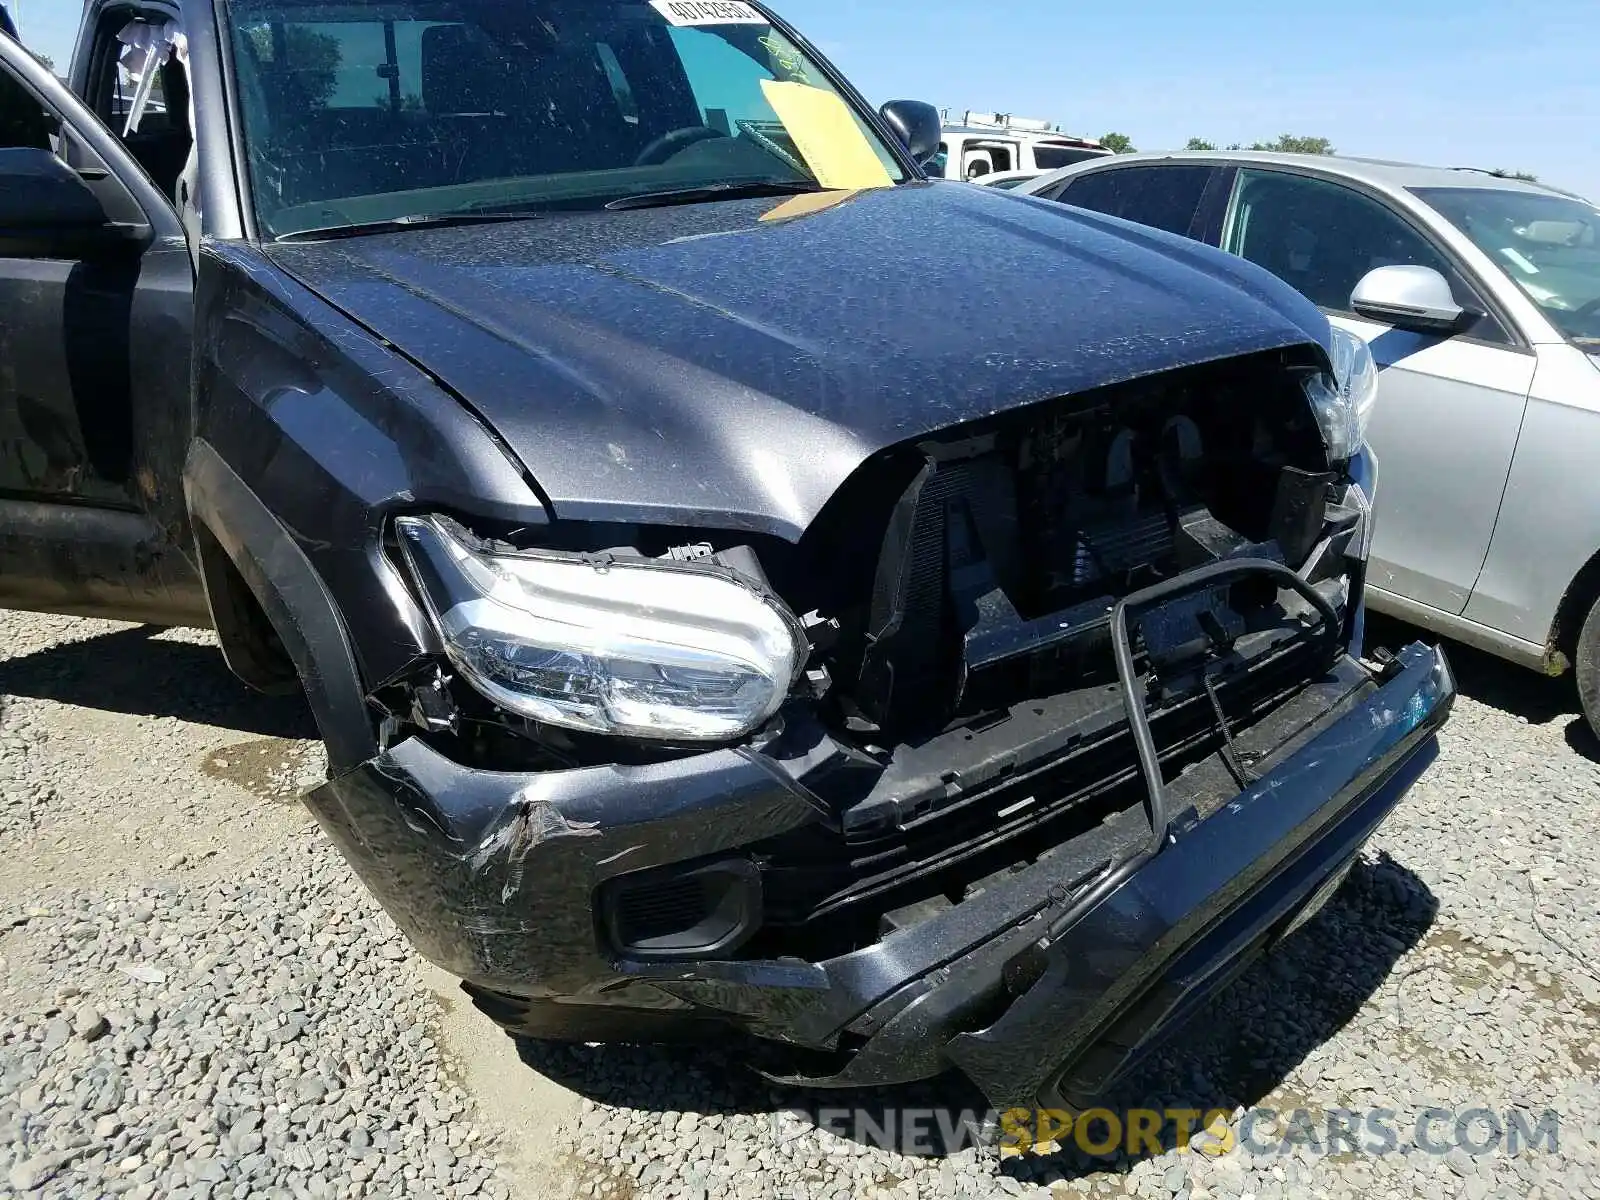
(196,998)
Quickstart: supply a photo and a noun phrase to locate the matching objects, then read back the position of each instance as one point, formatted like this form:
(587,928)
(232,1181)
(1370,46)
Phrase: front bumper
(1042,988)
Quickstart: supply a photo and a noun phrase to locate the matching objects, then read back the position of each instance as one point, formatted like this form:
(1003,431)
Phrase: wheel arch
(248,557)
(1576,601)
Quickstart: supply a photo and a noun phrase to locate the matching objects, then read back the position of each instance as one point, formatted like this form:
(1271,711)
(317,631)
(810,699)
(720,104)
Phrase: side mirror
(1414,298)
(917,125)
(48,211)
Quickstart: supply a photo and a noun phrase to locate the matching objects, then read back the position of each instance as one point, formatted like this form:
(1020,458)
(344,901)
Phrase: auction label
(708,12)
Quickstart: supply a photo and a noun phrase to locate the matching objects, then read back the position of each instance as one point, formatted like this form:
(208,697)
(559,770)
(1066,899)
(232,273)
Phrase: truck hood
(730,364)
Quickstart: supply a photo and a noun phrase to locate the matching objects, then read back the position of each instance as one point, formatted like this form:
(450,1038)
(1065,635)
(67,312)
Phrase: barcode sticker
(708,12)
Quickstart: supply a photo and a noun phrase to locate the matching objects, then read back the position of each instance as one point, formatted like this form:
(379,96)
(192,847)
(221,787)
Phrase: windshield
(1550,245)
(366,111)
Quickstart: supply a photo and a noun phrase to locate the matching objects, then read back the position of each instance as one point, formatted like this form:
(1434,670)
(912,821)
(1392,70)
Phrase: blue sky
(1472,82)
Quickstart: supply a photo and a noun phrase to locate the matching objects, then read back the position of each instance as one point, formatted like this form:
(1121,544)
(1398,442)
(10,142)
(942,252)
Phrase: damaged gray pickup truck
(724,605)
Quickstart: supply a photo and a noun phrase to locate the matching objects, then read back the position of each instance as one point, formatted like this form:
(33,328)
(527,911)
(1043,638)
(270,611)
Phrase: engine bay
(1002,553)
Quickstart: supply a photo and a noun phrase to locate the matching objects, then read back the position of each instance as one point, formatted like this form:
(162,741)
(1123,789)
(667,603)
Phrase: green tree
(1502,173)
(1289,143)
(49,63)
(1199,144)
(1117,143)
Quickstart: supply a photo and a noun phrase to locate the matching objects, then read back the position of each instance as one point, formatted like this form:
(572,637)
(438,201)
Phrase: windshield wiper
(717,191)
(410,221)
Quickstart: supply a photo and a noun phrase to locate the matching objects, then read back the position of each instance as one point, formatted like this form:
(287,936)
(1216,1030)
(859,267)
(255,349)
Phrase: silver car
(1480,299)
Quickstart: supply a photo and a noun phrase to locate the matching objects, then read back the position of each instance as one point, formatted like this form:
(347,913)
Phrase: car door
(96,295)
(1449,407)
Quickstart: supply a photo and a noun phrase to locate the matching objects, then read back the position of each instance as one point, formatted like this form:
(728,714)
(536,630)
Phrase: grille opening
(825,894)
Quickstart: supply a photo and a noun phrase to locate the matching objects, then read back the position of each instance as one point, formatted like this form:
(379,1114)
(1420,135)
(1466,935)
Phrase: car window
(1166,197)
(1048,157)
(1323,237)
(24,122)
(988,157)
(353,107)
(156,115)
(137,84)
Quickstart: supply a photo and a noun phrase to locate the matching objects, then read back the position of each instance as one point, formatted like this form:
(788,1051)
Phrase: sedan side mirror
(917,125)
(1414,298)
(48,211)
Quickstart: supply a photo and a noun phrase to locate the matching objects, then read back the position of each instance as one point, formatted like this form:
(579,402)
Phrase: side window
(1052,158)
(24,123)
(138,86)
(1166,197)
(92,190)
(987,157)
(1323,237)
(154,117)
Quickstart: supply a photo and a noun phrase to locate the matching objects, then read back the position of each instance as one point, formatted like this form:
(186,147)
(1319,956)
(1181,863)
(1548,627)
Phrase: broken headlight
(641,648)
(1343,399)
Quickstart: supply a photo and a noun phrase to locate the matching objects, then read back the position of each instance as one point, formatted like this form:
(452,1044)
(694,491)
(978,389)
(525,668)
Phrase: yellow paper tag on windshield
(827,136)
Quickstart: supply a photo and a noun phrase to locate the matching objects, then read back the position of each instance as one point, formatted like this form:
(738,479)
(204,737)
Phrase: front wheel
(1587,668)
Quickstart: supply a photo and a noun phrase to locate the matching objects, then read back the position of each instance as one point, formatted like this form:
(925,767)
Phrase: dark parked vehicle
(714,618)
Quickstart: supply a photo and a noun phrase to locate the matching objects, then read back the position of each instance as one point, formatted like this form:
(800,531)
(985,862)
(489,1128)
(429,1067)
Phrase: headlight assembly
(1343,400)
(637,648)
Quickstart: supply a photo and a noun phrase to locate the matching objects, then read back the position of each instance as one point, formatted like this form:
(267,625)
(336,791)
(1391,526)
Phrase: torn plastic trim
(528,823)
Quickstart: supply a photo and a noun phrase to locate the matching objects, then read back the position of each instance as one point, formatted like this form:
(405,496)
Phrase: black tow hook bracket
(1128,672)
(1389,665)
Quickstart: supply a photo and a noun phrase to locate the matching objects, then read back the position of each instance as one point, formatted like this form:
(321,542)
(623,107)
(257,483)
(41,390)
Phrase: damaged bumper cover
(1042,988)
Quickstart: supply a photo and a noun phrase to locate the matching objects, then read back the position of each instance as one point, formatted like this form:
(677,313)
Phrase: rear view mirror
(1559,233)
(48,211)
(1414,298)
(917,125)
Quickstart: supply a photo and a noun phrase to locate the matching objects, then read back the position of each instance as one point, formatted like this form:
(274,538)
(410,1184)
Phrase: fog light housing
(681,913)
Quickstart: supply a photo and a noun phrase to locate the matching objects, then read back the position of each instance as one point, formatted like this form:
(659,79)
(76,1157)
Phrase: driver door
(96,297)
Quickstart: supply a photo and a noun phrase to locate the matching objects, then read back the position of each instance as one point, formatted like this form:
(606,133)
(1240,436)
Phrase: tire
(1587,668)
